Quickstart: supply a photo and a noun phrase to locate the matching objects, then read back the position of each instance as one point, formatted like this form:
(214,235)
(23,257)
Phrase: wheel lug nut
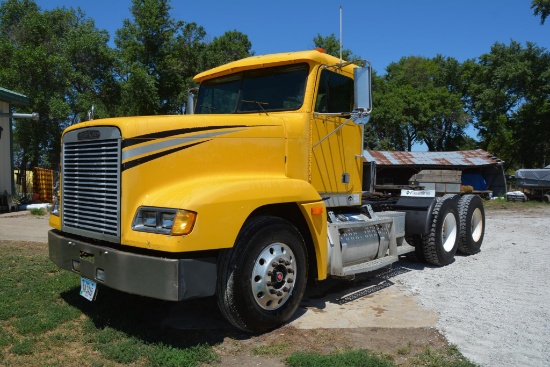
(269,273)
(279,293)
(269,284)
(272,291)
(286,289)
(290,271)
(275,264)
(290,280)
(287,263)
(281,260)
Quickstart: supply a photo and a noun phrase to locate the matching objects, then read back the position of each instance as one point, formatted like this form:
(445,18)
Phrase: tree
(419,100)
(331,45)
(508,93)
(542,8)
(62,62)
(160,55)
(231,46)
(150,73)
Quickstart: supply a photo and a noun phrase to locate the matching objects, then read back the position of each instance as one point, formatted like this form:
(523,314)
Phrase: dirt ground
(386,336)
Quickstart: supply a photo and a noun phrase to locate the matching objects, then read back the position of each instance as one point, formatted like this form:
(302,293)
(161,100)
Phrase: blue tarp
(475,180)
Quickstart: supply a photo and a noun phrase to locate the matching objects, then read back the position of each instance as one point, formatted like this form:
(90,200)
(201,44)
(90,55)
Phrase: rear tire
(472,224)
(441,243)
(261,280)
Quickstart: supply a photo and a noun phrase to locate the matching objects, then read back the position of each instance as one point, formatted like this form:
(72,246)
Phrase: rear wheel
(472,224)
(441,243)
(261,280)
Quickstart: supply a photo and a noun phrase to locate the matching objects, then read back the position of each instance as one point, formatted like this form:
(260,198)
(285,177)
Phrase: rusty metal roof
(477,157)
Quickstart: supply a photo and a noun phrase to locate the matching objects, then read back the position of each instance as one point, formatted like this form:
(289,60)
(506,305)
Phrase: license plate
(88,289)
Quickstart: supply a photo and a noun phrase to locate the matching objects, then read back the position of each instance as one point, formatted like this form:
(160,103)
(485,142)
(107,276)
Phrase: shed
(477,168)
(8,99)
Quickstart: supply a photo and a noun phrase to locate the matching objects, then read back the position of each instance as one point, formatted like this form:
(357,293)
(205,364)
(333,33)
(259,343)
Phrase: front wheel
(261,280)
(441,243)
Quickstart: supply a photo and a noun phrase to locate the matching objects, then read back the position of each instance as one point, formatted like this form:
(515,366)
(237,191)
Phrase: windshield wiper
(258,103)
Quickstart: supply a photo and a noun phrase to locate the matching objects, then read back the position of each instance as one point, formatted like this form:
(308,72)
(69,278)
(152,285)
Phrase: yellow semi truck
(253,192)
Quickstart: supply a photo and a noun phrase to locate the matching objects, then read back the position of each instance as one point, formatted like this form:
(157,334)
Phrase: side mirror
(362,106)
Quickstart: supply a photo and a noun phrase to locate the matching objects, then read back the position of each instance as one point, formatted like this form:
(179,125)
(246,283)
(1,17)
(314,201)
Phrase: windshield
(272,89)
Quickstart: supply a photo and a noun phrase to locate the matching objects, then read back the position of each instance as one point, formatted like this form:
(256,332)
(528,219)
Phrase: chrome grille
(91,183)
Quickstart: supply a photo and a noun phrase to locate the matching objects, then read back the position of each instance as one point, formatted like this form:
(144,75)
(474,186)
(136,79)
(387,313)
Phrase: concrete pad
(374,302)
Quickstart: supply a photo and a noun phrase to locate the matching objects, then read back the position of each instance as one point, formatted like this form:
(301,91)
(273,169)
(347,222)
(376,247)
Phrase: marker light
(183,223)
(317,210)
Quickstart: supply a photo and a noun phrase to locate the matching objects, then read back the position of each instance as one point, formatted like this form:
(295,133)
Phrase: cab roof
(264,61)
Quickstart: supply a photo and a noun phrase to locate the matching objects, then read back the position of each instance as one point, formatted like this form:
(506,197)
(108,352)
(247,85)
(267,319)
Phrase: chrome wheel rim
(273,276)
(477,225)
(449,232)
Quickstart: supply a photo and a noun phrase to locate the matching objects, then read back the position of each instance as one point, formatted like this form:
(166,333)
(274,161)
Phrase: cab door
(336,165)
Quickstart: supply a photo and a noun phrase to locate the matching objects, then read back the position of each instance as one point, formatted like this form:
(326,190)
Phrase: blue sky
(380,31)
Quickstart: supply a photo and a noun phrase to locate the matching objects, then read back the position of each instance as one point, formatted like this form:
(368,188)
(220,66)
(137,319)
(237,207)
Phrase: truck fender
(222,206)
(418,218)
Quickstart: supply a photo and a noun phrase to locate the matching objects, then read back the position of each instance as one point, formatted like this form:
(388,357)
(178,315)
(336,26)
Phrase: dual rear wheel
(458,224)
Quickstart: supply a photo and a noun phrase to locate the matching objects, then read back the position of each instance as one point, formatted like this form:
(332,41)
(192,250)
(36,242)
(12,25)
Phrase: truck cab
(246,198)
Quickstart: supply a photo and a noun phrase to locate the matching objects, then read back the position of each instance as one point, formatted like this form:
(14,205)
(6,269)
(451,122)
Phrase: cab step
(369,265)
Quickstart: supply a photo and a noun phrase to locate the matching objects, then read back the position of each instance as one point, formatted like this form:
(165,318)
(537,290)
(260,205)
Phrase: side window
(335,93)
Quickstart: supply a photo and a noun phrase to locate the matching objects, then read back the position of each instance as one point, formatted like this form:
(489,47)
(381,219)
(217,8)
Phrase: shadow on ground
(195,322)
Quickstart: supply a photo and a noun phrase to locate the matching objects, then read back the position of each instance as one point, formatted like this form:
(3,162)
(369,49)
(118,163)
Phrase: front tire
(472,224)
(261,280)
(441,243)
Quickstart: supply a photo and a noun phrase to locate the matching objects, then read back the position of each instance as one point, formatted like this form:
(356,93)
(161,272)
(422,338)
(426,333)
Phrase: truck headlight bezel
(167,221)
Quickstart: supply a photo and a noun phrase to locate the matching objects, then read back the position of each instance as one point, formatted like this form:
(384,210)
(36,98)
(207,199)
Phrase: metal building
(477,168)
(8,99)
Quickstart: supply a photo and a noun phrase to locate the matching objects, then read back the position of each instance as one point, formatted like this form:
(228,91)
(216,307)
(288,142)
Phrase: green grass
(38,211)
(353,358)
(43,318)
(450,357)
(273,349)
(499,204)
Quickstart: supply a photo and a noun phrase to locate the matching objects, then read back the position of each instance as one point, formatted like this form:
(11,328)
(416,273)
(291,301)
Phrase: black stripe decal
(138,161)
(164,134)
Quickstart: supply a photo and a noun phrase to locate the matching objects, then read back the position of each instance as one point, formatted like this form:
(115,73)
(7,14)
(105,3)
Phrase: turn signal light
(183,223)
(317,210)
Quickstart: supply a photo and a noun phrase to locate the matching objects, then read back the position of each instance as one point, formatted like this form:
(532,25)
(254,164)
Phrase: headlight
(175,222)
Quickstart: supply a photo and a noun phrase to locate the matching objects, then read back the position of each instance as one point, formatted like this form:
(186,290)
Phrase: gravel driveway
(495,306)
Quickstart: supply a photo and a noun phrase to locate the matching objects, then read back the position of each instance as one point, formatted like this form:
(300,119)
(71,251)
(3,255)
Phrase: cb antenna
(340,34)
